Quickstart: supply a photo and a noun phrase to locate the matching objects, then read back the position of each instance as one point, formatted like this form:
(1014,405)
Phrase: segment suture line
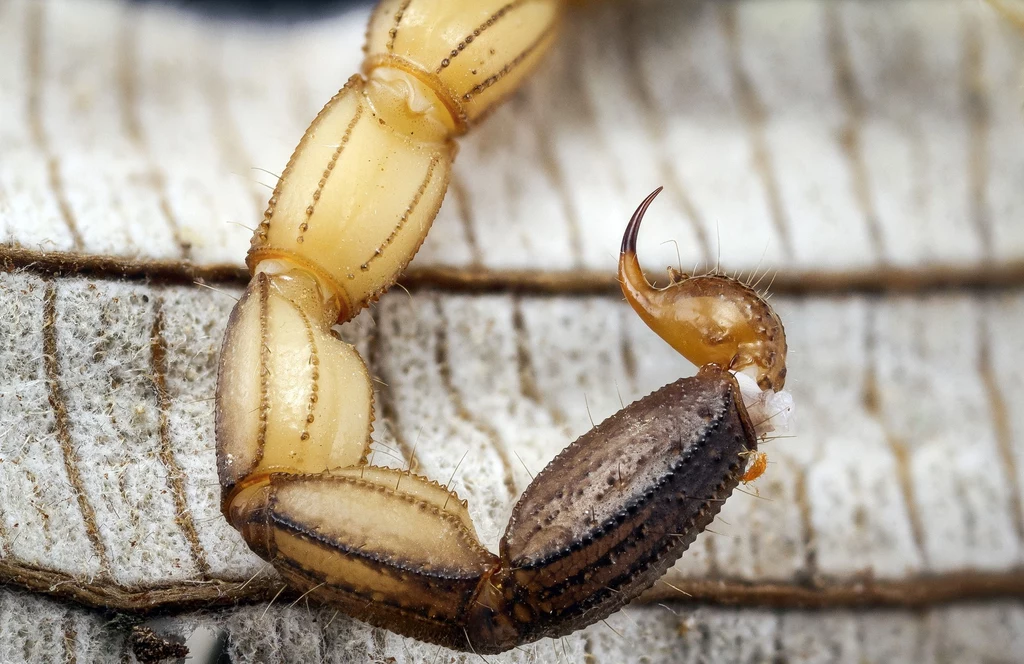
(491,21)
(328,170)
(393,33)
(409,211)
(511,65)
(264,368)
(314,361)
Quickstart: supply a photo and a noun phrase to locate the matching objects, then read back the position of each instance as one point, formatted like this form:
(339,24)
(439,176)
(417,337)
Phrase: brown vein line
(528,386)
(585,118)
(388,411)
(127,76)
(755,116)
(919,281)
(922,645)
(227,133)
(557,178)
(714,569)
(35,20)
(483,27)
(417,197)
(175,476)
(860,637)
(463,413)
(1000,415)
(807,534)
(779,655)
(858,592)
(512,64)
(70,638)
(62,421)
(465,213)
(5,540)
(626,351)
(393,33)
(850,135)
(914,592)
(901,455)
(527,377)
(657,131)
(979,116)
(706,645)
(329,169)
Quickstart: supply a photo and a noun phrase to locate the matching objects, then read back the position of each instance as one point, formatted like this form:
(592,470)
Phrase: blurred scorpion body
(603,521)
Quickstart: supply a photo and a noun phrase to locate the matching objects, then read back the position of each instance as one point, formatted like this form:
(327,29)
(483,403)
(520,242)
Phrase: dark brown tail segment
(598,526)
(606,518)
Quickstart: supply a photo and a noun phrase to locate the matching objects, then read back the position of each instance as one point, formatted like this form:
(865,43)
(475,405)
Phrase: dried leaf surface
(108,457)
(39,629)
(847,141)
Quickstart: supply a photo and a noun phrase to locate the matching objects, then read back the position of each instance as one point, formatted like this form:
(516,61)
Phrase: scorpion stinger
(711,319)
(294,408)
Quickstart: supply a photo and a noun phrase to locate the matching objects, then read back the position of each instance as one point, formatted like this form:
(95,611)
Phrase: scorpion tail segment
(328,214)
(282,373)
(471,53)
(383,546)
(608,516)
(712,319)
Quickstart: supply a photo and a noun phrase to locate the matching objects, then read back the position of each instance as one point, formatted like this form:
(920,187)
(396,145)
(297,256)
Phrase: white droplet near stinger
(770,411)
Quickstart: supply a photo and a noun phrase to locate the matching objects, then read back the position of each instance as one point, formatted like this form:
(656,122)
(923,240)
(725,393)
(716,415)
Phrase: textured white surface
(901,466)
(41,630)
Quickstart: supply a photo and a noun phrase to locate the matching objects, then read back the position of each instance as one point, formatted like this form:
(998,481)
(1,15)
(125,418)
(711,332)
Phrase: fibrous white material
(770,411)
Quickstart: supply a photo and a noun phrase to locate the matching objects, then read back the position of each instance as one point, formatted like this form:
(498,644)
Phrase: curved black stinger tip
(633,229)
